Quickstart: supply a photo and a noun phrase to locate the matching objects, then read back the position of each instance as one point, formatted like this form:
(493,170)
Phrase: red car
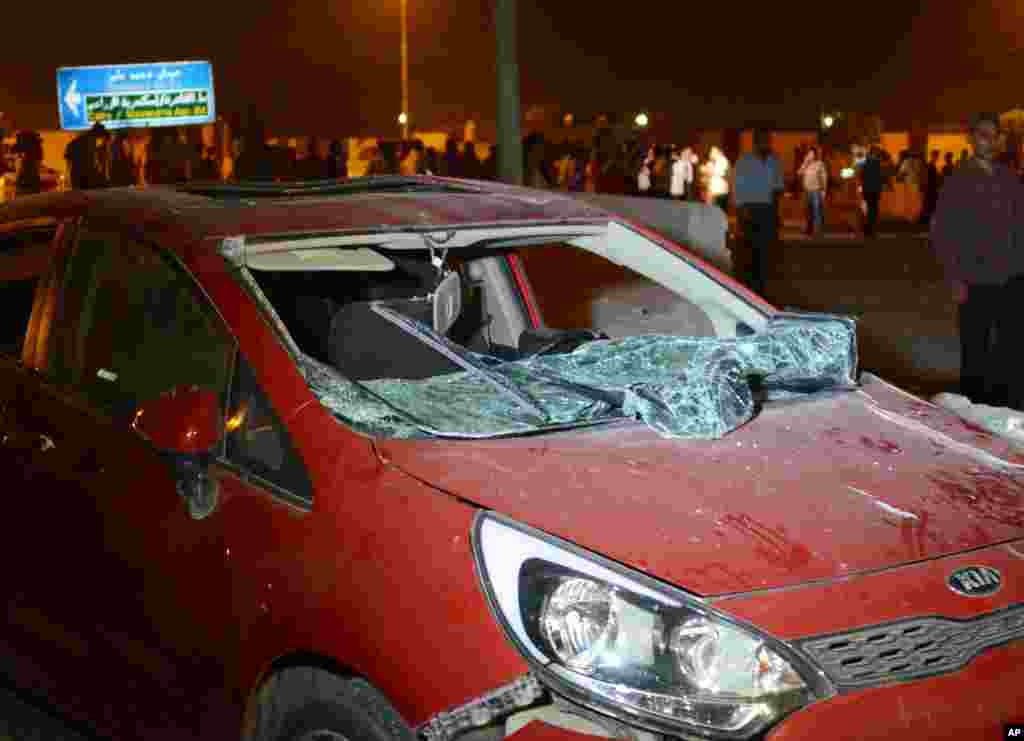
(405,457)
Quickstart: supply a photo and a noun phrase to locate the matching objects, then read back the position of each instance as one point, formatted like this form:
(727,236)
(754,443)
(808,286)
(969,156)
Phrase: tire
(305,704)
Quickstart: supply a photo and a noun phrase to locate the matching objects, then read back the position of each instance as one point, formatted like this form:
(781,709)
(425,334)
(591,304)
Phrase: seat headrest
(447,303)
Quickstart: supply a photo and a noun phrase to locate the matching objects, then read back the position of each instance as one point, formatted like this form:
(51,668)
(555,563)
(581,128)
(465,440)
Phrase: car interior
(347,318)
(358,308)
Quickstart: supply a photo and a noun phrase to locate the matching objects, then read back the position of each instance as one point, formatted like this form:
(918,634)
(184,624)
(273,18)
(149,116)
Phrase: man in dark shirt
(931,188)
(871,183)
(976,235)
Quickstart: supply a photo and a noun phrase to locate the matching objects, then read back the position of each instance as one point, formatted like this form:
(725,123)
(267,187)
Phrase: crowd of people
(972,202)
(98,158)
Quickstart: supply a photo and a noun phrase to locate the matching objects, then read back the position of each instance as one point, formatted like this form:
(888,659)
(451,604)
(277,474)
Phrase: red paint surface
(532,310)
(971,705)
(537,730)
(807,491)
(379,576)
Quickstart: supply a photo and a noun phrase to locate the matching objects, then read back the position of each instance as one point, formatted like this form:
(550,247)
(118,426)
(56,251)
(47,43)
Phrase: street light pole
(405,71)
(510,145)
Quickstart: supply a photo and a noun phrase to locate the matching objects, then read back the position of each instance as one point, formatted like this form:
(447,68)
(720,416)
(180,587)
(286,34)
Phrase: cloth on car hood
(682,387)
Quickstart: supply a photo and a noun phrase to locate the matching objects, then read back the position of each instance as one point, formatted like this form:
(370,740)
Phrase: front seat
(366,346)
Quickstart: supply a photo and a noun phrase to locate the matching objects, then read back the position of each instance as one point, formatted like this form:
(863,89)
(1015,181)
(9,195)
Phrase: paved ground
(22,720)
(892,283)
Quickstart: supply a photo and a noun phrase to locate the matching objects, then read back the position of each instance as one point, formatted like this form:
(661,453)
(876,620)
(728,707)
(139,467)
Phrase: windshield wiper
(456,355)
(614,399)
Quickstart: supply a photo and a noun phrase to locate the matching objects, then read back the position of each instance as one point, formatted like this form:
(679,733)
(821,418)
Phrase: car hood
(815,489)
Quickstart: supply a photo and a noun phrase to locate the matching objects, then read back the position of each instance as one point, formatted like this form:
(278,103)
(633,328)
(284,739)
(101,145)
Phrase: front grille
(910,649)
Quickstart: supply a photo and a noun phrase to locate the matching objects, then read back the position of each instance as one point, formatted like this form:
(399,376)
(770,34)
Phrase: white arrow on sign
(72,98)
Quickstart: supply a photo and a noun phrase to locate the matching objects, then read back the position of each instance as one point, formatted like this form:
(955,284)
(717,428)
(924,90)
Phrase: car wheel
(305,704)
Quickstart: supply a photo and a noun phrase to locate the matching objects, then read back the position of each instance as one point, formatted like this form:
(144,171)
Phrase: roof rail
(301,188)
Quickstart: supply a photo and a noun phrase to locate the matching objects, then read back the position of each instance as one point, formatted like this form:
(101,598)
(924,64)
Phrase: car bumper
(972,704)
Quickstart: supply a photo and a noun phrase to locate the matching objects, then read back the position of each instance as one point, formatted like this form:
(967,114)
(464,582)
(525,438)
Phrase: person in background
(470,162)
(432,161)
(313,166)
(210,167)
(258,160)
(579,169)
(682,174)
(592,171)
(872,183)
(931,188)
(643,177)
(759,185)
(337,160)
(799,155)
(412,158)
(377,164)
(534,153)
(86,158)
(389,152)
(718,178)
(185,157)
(964,156)
(28,145)
(949,168)
(814,179)
(564,166)
(158,168)
(661,172)
(123,171)
(489,168)
(451,163)
(977,235)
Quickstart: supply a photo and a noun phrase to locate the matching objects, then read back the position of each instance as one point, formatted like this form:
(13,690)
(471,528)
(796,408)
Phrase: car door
(150,584)
(26,250)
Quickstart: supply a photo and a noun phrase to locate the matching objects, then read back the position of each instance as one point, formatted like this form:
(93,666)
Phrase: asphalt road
(907,329)
(29,720)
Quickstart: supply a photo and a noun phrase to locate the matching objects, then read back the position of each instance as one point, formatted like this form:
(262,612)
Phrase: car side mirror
(185,425)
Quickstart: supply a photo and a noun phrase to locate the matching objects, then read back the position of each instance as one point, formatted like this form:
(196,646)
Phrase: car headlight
(618,641)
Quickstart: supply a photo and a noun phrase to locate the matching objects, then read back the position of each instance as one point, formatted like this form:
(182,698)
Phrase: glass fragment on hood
(682,387)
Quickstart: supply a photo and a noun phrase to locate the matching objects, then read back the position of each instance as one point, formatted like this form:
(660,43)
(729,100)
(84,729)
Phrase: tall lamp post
(404,115)
(510,145)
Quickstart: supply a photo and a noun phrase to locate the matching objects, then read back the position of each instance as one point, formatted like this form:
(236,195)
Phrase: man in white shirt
(758,185)
(682,174)
(643,177)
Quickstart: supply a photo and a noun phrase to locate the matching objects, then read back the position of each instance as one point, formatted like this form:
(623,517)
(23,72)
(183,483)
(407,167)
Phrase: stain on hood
(828,486)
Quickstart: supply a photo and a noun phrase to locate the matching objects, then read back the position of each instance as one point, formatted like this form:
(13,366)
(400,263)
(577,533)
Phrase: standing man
(931,188)
(871,184)
(758,186)
(682,174)
(976,233)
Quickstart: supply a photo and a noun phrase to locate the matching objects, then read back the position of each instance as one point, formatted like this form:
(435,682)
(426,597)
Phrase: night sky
(332,67)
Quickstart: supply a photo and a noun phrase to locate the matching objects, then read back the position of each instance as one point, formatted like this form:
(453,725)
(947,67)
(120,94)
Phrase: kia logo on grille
(975,581)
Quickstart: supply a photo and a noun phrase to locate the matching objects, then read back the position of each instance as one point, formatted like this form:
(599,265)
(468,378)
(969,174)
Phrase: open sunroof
(306,188)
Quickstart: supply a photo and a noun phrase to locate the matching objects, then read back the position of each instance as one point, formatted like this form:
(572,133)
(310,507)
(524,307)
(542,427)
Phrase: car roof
(362,205)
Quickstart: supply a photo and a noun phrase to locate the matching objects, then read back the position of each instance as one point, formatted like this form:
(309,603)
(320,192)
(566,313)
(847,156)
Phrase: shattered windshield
(682,387)
(403,342)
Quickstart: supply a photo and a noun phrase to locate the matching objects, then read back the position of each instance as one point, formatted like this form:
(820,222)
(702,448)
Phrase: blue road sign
(136,95)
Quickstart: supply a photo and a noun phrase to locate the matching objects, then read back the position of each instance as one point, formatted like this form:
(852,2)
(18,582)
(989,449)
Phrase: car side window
(22,261)
(134,324)
(257,442)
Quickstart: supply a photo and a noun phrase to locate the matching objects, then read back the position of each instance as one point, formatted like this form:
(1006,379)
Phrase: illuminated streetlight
(642,120)
(828,121)
(405,72)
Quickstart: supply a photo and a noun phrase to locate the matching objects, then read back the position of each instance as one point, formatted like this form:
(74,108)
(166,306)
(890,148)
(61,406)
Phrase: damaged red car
(417,457)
